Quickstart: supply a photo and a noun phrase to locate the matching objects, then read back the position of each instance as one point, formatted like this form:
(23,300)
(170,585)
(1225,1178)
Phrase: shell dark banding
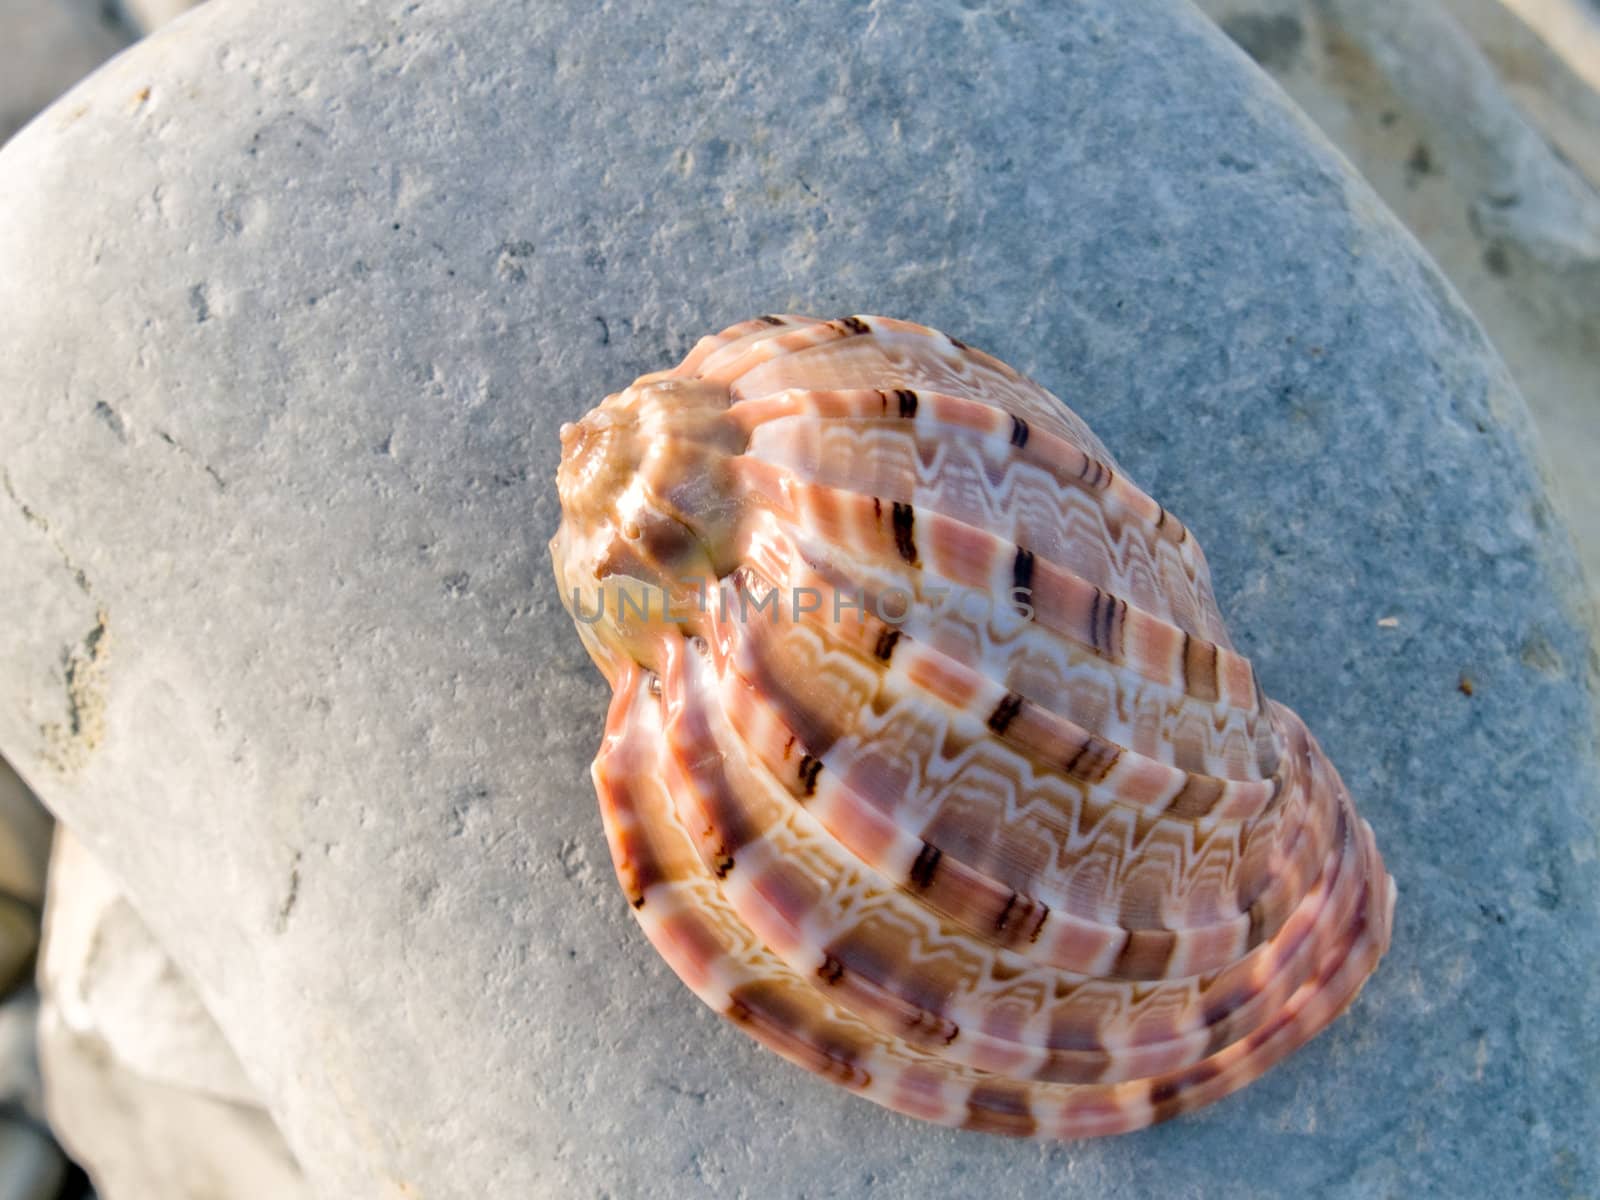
(929,761)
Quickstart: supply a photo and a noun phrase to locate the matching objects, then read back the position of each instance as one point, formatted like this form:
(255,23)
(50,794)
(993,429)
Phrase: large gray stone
(278,636)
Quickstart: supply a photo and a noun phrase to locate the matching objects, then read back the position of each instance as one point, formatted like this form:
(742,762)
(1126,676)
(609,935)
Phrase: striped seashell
(929,762)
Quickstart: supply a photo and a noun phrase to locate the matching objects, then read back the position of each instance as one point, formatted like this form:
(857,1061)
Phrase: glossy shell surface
(929,761)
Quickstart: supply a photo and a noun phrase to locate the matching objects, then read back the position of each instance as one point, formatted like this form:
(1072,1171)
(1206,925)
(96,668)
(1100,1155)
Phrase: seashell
(929,762)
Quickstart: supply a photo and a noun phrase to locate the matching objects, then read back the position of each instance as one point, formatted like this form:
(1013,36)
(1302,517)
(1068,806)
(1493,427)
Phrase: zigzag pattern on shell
(1048,864)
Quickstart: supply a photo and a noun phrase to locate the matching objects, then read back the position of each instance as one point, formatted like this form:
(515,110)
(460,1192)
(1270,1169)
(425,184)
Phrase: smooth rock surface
(1547,56)
(46,46)
(278,636)
(139,1139)
(139,1081)
(107,978)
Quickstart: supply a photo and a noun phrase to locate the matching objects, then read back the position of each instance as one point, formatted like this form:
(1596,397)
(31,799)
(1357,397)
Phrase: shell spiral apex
(929,762)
